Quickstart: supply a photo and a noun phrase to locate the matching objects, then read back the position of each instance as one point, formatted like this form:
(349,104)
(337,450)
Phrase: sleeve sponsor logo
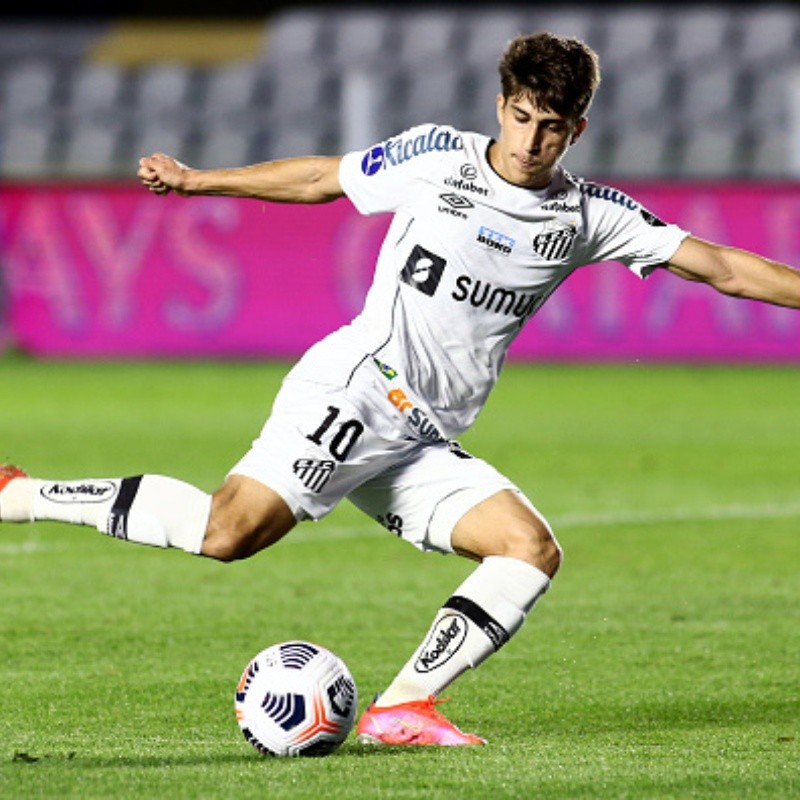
(615,196)
(652,219)
(394,152)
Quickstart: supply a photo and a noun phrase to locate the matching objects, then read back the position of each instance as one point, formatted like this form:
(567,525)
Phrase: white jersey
(467,260)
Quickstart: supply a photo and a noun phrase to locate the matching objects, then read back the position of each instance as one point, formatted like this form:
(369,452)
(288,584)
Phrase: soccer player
(484,231)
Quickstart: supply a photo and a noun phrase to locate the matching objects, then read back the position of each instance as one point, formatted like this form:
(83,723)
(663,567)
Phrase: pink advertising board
(111,271)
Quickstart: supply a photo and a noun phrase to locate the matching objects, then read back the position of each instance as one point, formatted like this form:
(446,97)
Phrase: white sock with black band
(159,511)
(148,509)
(479,618)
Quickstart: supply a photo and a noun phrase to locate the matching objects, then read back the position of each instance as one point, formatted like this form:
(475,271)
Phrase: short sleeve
(383,177)
(620,229)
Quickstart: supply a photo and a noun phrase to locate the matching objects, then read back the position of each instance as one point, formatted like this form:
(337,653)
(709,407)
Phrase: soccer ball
(296,699)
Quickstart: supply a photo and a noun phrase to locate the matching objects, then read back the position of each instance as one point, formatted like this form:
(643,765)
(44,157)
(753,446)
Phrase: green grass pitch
(663,663)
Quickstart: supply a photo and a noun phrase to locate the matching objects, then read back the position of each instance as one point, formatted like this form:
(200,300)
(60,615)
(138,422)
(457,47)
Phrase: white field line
(577,520)
(24,548)
(311,533)
(709,514)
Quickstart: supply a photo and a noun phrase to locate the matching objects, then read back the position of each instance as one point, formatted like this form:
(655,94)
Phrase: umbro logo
(456,200)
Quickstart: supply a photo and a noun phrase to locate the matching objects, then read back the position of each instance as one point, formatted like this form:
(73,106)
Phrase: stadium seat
(28,86)
(648,91)
(330,68)
(641,152)
(700,34)
(578,22)
(26,149)
(712,151)
(711,93)
(639,36)
(767,34)
(225,146)
(90,150)
(296,35)
(231,89)
(427,37)
(161,88)
(360,37)
(96,88)
(487,34)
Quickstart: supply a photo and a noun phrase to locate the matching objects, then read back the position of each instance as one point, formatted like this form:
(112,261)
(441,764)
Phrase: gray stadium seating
(688,91)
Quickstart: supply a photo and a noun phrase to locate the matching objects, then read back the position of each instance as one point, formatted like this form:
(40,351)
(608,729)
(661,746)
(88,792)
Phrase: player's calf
(148,509)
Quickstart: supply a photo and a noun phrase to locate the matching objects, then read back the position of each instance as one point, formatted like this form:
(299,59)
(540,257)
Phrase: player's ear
(501,102)
(579,129)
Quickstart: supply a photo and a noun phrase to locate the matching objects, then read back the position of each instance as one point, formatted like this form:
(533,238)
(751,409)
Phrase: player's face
(531,142)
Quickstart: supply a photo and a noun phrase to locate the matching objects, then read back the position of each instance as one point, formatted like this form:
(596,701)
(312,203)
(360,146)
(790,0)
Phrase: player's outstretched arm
(736,272)
(312,179)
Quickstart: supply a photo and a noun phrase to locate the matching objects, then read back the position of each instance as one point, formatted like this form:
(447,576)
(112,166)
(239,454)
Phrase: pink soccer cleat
(415,723)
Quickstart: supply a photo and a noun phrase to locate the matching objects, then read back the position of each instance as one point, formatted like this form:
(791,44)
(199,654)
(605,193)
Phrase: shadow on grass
(32,759)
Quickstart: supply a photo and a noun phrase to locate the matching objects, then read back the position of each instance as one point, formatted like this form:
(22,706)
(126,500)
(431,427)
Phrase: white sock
(148,509)
(479,618)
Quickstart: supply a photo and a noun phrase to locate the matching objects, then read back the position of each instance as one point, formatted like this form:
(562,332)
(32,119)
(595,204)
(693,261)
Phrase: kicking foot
(7,474)
(415,723)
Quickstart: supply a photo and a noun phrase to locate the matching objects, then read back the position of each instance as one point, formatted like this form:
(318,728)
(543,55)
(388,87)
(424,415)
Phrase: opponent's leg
(519,556)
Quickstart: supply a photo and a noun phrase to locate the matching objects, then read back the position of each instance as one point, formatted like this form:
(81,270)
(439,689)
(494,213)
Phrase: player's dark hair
(555,72)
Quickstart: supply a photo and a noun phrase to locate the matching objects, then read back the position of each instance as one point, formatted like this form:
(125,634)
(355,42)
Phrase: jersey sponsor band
(394,152)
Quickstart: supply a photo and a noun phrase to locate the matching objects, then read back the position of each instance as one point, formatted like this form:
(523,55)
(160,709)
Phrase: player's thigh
(246,516)
(423,499)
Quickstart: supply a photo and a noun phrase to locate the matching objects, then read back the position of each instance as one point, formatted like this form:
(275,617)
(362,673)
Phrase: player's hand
(162,174)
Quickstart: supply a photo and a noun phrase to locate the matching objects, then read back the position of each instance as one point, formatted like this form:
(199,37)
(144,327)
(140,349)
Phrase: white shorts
(318,447)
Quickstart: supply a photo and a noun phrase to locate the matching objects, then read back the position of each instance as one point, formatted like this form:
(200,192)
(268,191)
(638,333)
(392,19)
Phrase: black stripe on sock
(488,624)
(117,525)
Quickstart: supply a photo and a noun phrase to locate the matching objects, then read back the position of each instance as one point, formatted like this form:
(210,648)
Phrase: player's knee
(245,518)
(535,544)
(224,542)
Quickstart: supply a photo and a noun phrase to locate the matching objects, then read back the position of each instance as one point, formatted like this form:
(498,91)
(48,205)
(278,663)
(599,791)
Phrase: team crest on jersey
(555,244)
(314,473)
